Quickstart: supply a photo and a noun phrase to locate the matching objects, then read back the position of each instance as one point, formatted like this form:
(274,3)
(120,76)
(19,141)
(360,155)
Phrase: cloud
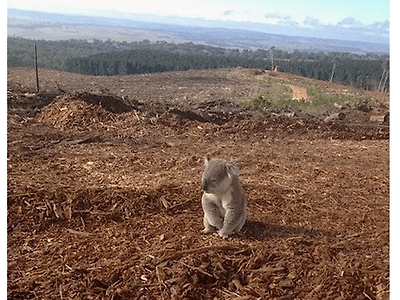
(272,16)
(288,21)
(381,26)
(227,12)
(354,27)
(378,29)
(312,22)
(349,22)
(280,19)
(349,28)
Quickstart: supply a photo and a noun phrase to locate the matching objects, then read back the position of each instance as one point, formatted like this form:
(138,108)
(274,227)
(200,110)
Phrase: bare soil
(103,193)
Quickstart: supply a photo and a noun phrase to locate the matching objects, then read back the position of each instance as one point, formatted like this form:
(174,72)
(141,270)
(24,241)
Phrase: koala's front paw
(208,230)
(223,234)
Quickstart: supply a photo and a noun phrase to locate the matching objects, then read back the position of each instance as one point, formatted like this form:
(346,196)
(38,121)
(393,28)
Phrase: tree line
(368,71)
(365,74)
(153,61)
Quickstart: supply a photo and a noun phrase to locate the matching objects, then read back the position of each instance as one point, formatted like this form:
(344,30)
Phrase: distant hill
(51,26)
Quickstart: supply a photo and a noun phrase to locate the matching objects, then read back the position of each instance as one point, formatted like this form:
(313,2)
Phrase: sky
(301,13)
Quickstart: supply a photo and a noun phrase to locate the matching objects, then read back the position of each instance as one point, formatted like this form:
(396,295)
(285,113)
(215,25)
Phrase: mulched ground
(104,200)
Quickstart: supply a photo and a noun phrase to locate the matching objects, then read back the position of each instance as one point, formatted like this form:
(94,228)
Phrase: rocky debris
(364,105)
(386,119)
(335,117)
(377,119)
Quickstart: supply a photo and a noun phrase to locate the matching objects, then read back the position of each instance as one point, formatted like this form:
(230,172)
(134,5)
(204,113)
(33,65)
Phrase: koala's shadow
(257,230)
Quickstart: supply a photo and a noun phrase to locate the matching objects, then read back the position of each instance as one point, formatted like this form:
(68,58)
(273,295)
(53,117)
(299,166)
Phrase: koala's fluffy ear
(207,159)
(232,168)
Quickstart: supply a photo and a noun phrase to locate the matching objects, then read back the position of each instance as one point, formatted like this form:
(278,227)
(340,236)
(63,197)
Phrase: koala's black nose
(203,185)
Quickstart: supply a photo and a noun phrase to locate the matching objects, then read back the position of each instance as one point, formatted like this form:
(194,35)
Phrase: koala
(224,201)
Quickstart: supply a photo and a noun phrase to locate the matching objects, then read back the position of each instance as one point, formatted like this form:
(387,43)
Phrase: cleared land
(103,191)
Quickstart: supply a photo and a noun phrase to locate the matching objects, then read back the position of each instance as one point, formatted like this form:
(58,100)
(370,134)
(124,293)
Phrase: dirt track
(104,201)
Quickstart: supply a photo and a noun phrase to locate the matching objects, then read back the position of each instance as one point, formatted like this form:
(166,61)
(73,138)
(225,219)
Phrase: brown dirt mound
(104,205)
(70,111)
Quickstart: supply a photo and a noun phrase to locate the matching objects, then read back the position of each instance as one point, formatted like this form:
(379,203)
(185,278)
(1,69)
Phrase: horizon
(352,20)
(341,12)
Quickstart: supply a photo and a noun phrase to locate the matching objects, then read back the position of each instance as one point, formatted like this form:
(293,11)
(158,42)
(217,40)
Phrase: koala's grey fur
(224,201)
